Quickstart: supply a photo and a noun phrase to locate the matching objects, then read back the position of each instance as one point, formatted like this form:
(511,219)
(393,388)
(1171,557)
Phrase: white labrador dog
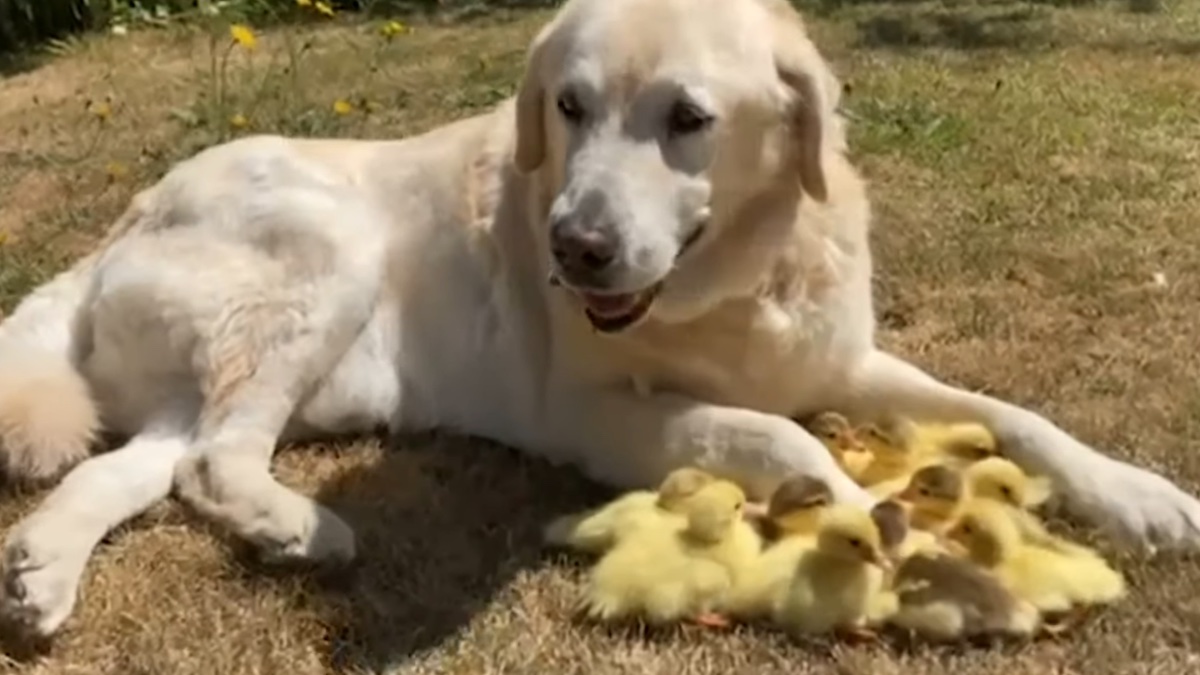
(652,257)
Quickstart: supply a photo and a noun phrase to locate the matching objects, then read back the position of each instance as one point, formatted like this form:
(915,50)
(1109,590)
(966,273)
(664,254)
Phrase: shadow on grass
(443,524)
(19,62)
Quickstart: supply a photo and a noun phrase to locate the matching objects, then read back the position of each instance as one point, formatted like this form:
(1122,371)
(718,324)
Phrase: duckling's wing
(1041,578)
(757,592)
(597,530)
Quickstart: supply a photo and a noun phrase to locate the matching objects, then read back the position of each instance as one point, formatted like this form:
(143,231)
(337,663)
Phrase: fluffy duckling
(945,598)
(597,530)
(838,584)
(900,447)
(795,507)
(938,494)
(899,540)
(838,435)
(1051,580)
(935,495)
(793,517)
(1001,480)
(958,443)
(663,576)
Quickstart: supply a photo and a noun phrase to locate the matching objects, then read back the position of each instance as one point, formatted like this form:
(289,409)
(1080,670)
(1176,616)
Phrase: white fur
(276,288)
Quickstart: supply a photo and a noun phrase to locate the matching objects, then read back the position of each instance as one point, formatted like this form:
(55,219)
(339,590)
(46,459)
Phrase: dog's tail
(48,417)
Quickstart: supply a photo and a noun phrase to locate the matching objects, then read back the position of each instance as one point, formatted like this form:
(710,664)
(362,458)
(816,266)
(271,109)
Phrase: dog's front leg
(1129,502)
(633,441)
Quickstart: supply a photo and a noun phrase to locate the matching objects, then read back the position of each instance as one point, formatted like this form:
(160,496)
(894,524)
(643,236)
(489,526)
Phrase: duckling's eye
(1006,491)
(856,543)
(923,492)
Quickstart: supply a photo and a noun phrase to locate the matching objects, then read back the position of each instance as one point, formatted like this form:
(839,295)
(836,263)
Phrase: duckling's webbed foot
(711,620)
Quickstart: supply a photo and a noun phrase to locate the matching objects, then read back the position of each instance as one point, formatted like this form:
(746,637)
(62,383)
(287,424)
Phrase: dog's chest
(753,353)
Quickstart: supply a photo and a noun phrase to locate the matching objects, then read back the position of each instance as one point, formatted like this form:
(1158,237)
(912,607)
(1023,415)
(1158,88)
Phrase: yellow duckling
(838,584)
(1002,481)
(663,575)
(957,443)
(838,435)
(900,447)
(795,507)
(941,597)
(597,530)
(793,517)
(1050,580)
(938,494)
(900,541)
(935,495)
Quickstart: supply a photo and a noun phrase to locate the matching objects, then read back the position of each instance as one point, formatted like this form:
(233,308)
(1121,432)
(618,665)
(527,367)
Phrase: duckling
(838,584)
(899,540)
(938,494)
(958,443)
(838,435)
(1002,481)
(946,598)
(793,516)
(795,507)
(901,446)
(1052,581)
(597,530)
(668,575)
(935,495)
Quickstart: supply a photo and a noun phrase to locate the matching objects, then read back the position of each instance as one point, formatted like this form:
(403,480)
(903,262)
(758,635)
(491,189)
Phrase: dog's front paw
(1134,506)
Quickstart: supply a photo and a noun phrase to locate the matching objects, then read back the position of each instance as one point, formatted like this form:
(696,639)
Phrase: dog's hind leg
(1129,502)
(45,554)
(250,394)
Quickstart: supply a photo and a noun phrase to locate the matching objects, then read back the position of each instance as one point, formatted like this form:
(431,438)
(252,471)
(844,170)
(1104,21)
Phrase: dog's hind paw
(40,586)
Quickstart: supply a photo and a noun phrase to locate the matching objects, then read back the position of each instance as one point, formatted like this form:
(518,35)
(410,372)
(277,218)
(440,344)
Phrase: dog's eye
(569,107)
(687,118)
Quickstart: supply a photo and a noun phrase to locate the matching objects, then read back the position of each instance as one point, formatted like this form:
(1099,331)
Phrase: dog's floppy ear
(531,108)
(807,80)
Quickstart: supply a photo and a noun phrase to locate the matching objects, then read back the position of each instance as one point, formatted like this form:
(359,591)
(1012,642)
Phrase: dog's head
(659,124)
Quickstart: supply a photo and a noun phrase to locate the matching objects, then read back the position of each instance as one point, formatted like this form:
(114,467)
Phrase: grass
(1033,169)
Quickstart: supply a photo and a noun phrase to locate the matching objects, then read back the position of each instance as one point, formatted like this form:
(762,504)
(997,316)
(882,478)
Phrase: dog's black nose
(584,249)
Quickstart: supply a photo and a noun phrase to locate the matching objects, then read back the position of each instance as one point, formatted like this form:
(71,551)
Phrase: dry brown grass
(1033,168)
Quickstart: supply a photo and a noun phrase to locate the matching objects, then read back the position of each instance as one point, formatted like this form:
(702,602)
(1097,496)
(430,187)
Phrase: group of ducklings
(951,551)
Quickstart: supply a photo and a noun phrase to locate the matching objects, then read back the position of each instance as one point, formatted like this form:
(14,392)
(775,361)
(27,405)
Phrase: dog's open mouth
(612,312)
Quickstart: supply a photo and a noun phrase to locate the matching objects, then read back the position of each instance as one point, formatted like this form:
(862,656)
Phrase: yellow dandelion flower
(323,8)
(242,35)
(343,107)
(393,28)
(102,110)
(304,3)
(116,170)
(239,121)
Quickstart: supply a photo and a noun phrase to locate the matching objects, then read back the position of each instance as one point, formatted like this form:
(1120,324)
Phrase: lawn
(1036,177)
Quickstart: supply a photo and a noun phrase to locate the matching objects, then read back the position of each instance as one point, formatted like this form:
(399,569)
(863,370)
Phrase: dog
(655,254)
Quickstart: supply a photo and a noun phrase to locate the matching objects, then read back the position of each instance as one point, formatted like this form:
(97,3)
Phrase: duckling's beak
(880,560)
(848,442)
(955,547)
(908,494)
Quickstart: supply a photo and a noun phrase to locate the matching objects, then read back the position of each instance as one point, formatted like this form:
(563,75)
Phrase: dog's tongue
(610,305)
